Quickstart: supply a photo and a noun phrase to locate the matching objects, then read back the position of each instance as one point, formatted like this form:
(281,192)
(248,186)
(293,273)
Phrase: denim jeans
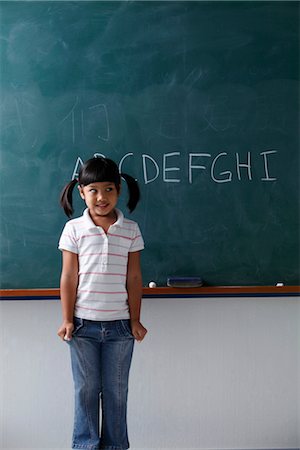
(101,355)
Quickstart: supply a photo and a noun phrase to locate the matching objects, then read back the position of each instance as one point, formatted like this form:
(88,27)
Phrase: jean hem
(85,447)
(93,447)
(113,448)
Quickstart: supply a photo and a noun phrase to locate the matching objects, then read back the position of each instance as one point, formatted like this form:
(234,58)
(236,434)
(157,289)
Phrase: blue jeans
(101,355)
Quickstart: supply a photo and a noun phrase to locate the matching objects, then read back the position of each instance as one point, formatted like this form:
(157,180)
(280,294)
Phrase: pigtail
(134,191)
(66,200)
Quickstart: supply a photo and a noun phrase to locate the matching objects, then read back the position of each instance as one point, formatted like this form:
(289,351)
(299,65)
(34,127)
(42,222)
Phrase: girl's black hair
(100,169)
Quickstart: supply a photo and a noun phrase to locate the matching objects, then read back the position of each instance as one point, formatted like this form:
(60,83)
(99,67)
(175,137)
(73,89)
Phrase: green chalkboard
(198,100)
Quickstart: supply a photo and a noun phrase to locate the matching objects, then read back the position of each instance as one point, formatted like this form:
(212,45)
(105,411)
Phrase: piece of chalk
(66,338)
(279,284)
(152,284)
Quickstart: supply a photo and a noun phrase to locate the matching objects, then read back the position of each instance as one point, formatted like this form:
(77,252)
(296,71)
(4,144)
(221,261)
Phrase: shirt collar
(90,224)
(120,218)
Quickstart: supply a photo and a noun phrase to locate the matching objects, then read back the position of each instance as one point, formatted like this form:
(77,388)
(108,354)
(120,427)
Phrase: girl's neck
(105,221)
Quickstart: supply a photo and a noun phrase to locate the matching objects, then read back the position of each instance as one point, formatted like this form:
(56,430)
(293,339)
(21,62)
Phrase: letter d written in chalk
(146,168)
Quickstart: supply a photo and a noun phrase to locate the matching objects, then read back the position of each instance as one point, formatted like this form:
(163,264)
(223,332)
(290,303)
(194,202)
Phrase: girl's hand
(65,331)
(138,331)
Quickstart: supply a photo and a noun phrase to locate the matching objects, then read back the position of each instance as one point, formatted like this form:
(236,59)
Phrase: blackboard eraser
(184,282)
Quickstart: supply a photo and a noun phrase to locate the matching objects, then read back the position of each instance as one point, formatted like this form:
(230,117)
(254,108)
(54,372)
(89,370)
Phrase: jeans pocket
(78,324)
(125,328)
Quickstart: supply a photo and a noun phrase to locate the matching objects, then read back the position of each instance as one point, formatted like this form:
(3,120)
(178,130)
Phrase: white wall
(212,374)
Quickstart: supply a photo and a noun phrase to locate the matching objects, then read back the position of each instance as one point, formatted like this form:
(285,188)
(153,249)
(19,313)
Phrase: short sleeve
(138,241)
(68,240)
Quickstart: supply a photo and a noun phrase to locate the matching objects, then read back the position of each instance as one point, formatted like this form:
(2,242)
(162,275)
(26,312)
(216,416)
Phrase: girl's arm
(68,291)
(135,289)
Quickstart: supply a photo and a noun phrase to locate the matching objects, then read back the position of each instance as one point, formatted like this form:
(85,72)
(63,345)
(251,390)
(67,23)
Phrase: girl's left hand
(138,331)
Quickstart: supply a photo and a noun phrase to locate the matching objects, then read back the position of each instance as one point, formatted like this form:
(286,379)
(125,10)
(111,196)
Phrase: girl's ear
(81,192)
(119,189)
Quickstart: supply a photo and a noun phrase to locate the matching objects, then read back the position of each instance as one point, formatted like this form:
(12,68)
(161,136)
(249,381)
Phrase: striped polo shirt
(101,293)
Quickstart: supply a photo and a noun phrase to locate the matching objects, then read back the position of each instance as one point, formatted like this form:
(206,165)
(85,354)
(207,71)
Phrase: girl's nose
(100,195)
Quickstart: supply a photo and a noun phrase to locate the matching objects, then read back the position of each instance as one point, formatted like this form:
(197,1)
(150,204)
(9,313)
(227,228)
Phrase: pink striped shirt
(103,258)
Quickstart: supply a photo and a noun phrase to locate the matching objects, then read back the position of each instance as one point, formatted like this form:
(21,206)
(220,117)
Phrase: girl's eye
(109,189)
(93,191)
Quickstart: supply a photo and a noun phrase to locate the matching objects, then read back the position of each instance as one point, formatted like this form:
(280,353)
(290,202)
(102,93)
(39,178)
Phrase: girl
(101,290)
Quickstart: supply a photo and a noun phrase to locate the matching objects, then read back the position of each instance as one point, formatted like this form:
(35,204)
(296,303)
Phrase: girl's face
(101,198)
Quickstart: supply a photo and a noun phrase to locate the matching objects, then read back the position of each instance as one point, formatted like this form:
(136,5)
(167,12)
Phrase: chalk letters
(200,167)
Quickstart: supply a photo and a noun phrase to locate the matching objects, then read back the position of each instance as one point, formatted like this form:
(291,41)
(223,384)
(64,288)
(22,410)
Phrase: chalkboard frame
(166,292)
(223,123)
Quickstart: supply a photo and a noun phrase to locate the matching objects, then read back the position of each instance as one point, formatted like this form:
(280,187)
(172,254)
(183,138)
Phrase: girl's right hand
(65,331)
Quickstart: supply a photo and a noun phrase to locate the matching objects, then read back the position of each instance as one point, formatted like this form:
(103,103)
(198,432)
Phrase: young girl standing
(101,290)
